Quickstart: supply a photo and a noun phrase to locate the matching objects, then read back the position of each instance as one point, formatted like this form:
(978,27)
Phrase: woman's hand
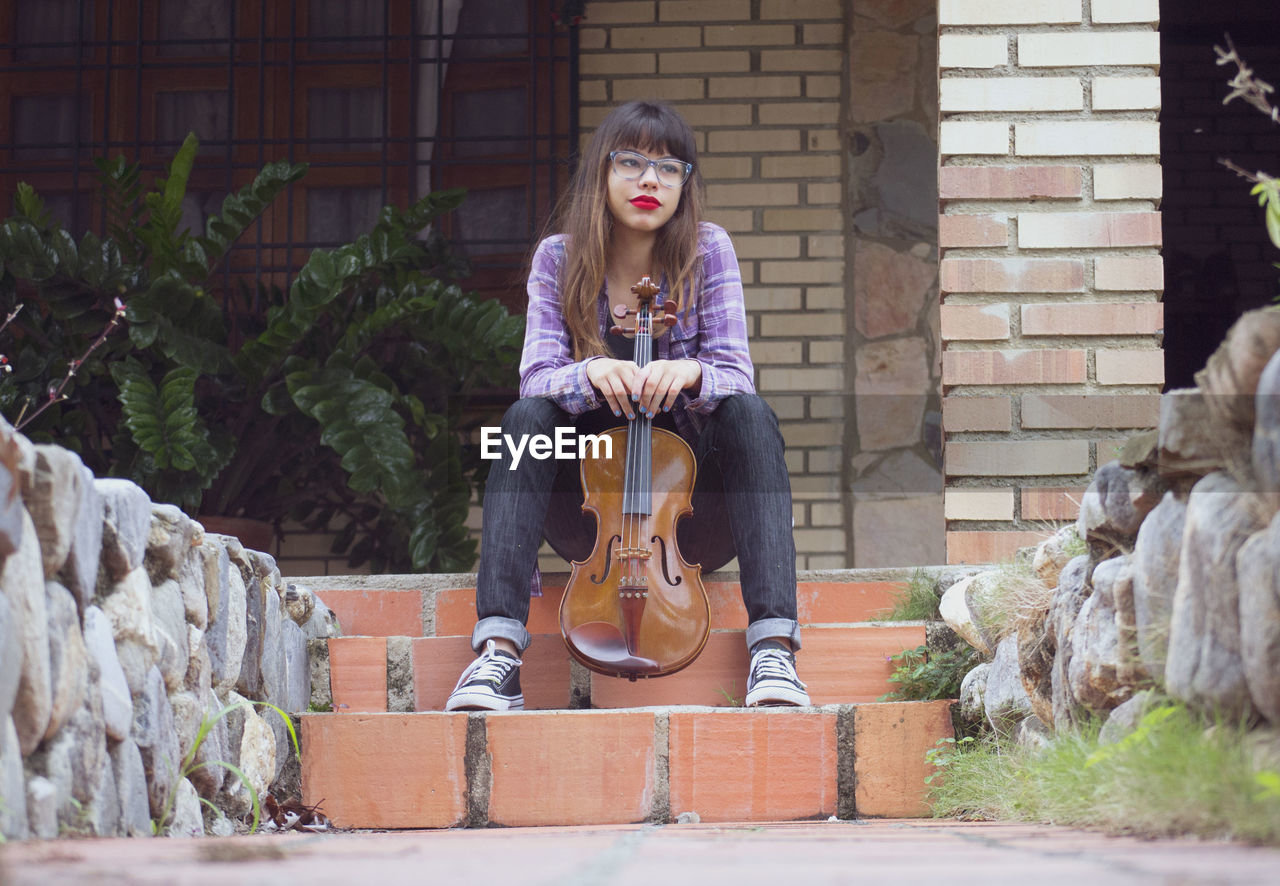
(661,381)
(614,379)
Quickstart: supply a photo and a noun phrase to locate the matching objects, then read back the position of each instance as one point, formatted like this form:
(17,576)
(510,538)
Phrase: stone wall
(123,625)
(1050,273)
(1177,592)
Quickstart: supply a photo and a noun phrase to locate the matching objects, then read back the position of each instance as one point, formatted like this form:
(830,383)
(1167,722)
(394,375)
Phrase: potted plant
(254,401)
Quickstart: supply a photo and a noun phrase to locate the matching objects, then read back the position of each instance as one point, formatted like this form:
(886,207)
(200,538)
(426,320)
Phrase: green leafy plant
(188,764)
(730,695)
(917,601)
(1179,772)
(944,752)
(923,675)
(344,400)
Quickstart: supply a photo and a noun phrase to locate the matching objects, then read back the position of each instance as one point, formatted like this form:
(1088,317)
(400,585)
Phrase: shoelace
(490,667)
(774,664)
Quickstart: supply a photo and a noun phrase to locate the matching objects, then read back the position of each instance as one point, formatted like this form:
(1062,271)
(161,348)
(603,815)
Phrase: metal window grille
(385,99)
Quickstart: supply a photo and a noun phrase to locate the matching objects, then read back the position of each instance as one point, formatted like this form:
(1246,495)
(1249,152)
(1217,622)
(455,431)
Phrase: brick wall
(1050,235)
(761,83)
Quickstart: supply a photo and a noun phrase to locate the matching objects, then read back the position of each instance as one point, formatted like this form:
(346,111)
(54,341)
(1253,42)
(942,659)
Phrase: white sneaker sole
(777,694)
(483,701)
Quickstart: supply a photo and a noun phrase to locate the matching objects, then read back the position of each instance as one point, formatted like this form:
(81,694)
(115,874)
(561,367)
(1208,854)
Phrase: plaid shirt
(714,334)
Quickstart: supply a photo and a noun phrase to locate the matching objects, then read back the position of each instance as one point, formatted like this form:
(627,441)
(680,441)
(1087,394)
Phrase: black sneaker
(490,683)
(772,679)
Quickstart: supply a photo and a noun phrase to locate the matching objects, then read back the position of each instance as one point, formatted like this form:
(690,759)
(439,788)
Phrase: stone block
(53,496)
(890,289)
(131,782)
(169,618)
(168,540)
(126,525)
(13,815)
(128,609)
(155,732)
(22,581)
(68,659)
(80,571)
(117,703)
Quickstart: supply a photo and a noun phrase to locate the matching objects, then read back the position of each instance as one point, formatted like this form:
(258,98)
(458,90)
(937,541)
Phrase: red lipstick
(644,201)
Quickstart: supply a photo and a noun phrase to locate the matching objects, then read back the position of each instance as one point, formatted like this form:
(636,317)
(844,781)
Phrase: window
(384,99)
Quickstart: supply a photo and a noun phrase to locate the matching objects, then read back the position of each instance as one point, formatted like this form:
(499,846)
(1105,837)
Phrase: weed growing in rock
(1017,593)
(918,601)
(1177,773)
(923,675)
(189,765)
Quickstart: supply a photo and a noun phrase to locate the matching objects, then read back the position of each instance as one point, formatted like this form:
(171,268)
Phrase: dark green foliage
(255,401)
(925,675)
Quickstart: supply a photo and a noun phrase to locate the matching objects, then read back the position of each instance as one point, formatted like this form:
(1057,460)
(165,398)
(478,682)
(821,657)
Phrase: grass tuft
(1177,774)
(918,601)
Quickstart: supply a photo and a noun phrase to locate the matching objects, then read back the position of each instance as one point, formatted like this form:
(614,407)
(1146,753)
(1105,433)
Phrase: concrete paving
(893,851)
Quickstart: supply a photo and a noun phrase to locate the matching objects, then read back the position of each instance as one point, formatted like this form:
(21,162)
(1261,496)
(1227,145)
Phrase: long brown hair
(584,216)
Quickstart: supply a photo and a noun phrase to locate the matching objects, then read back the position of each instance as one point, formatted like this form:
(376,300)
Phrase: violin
(635,608)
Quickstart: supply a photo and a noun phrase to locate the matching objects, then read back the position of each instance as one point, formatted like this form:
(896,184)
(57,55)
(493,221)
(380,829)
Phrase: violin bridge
(634,553)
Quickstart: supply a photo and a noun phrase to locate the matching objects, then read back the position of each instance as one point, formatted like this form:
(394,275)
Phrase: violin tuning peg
(621,330)
(620,311)
(670,306)
(668,320)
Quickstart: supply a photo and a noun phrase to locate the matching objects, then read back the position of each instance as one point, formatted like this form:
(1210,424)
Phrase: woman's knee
(746,409)
(746,418)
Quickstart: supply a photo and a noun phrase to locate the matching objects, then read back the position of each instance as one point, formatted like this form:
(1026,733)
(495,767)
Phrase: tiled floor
(890,851)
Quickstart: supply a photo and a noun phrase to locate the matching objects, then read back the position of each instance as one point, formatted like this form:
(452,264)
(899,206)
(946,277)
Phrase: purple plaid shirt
(714,334)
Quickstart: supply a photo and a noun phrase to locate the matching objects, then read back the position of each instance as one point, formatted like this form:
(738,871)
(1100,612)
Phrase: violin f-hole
(666,574)
(608,562)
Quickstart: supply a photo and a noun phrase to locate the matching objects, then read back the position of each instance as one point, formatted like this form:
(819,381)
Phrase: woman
(633,210)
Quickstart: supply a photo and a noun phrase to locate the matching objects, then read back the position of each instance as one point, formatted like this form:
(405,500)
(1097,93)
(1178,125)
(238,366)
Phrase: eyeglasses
(628,165)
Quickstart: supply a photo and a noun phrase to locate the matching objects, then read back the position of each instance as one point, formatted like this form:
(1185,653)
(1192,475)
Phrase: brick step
(436,770)
(444,606)
(839,664)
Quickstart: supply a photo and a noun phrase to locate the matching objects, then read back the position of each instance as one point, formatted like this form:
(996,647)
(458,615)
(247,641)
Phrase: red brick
(571,767)
(1129,273)
(840,602)
(456,612)
(439,661)
(753,765)
(974,322)
(981,547)
(1011,275)
(842,665)
(1013,458)
(1088,230)
(972,230)
(1128,318)
(373,612)
(838,664)
(1090,410)
(1009,182)
(889,766)
(386,770)
(1034,367)
(977,414)
(1051,502)
(1129,367)
(358,673)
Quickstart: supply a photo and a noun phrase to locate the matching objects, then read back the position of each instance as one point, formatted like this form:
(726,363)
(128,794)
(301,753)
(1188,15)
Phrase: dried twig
(1256,177)
(1245,85)
(55,391)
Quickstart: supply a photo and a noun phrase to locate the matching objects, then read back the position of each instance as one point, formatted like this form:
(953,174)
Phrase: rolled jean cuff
(498,627)
(766,628)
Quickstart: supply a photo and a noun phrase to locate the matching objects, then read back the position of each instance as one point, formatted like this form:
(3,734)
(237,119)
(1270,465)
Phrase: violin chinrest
(602,642)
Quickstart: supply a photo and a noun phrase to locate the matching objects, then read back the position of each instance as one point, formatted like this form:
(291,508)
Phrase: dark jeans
(741,503)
